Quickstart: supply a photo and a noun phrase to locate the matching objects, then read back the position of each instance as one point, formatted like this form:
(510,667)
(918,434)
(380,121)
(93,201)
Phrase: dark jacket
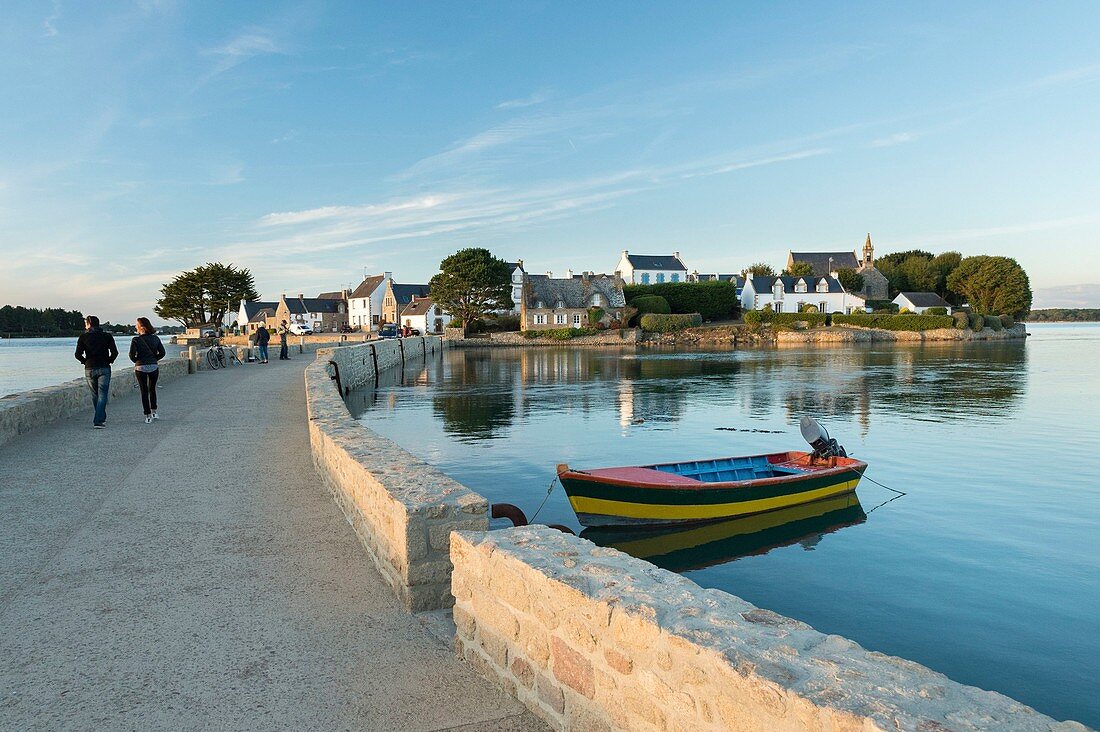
(96,349)
(146,349)
(262,336)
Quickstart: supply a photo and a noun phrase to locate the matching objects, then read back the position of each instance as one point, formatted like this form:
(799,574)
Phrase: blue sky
(311,141)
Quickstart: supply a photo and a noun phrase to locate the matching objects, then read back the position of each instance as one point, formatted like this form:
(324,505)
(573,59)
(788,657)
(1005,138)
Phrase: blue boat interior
(755,467)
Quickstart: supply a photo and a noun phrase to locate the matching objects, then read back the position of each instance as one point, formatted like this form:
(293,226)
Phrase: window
(823,286)
(540,320)
(539,304)
(660,277)
(778,290)
(596,299)
(576,320)
(778,307)
(374,319)
(675,277)
(559,319)
(560,304)
(823,307)
(800,286)
(645,278)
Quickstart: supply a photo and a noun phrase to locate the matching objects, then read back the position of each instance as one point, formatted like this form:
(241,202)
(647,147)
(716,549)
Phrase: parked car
(300,329)
(206,333)
(389,330)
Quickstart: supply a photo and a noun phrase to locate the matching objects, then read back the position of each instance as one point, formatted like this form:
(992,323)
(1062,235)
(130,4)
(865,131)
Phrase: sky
(312,142)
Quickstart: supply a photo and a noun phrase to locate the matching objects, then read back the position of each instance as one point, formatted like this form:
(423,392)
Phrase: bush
(651,304)
(910,322)
(661,323)
(808,308)
(813,320)
(757,317)
(962,320)
(936,311)
(500,324)
(712,300)
(882,306)
(559,334)
(1007,321)
(905,311)
(977,322)
(993,322)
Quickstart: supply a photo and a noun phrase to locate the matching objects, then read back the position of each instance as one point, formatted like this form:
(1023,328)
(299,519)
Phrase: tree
(851,280)
(945,264)
(761,270)
(993,285)
(800,269)
(472,283)
(204,294)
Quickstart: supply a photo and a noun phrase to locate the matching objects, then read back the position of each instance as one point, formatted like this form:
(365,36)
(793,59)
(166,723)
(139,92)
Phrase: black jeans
(282,351)
(147,381)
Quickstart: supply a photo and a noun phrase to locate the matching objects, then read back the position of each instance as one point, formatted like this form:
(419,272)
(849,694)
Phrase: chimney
(625,252)
(618,280)
(549,275)
(519,263)
(387,275)
(570,275)
(676,254)
(584,276)
(301,296)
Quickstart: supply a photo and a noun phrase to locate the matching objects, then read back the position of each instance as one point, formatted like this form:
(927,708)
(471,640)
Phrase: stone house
(326,313)
(396,297)
(425,316)
(550,302)
(646,269)
(365,302)
(875,284)
(788,294)
(919,302)
(254,313)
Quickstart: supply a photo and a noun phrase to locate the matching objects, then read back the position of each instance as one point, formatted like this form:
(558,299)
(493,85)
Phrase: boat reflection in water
(680,549)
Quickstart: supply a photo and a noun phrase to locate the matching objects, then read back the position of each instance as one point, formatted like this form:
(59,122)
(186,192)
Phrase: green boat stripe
(695,496)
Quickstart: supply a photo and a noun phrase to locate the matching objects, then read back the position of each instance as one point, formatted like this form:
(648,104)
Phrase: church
(875,284)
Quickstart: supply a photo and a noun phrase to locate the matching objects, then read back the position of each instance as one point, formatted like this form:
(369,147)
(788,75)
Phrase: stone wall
(627,337)
(23,412)
(402,509)
(590,638)
(854,334)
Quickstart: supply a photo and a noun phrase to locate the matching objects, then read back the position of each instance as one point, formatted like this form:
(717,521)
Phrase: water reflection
(680,549)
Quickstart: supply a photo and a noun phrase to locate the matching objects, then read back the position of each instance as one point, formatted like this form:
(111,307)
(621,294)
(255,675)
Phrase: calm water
(29,363)
(988,570)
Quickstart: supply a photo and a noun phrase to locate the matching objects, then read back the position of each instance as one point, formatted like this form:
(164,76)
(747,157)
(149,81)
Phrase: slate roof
(261,315)
(405,293)
(419,306)
(646,261)
(925,299)
(820,260)
(301,306)
(573,292)
(251,308)
(367,287)
(764,284)
(331,295)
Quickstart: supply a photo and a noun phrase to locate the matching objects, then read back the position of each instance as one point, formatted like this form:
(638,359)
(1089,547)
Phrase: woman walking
(145,350)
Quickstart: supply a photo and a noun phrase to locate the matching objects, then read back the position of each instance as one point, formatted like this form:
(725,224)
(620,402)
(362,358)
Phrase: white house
(788,294)
(365,302)
(517,286)
(425,316)
(918,302)
(646,269)
(254,312)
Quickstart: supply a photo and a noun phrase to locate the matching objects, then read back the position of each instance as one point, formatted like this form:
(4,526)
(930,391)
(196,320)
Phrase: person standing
(263,337)
(284,331)
(97,351)
(145,351)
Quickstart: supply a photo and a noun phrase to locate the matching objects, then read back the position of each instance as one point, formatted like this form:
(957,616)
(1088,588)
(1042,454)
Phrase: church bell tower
(868,253)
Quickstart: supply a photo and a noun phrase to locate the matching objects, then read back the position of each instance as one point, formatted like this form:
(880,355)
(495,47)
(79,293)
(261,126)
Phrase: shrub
(758,317)
(500,324)
(1007,321)
(712,300)
(962,320)
(993,322)
(808,308)
(905,311)
(909,322)
(977,322)
(662,323)
(882,306)
(651,304)
(559,334)
(595,314)
(936,311)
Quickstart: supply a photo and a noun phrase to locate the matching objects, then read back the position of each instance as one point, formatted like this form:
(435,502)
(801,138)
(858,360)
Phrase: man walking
(262,339)
(284,331)
(96,350)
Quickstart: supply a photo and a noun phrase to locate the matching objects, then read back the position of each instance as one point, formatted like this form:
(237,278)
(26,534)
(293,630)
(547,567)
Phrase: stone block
(572,668)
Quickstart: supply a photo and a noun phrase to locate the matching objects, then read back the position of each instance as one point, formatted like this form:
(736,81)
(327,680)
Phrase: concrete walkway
(195,573)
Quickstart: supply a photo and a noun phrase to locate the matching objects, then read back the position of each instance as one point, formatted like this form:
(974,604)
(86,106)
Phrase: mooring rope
(549,490)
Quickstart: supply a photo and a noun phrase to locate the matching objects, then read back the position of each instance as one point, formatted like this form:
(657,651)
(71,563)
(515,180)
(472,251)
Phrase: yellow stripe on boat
(604,507)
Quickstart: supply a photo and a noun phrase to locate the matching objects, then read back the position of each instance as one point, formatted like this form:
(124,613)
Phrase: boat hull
(645,496)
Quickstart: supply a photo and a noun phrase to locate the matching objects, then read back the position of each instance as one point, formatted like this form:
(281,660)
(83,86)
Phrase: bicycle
(215,356)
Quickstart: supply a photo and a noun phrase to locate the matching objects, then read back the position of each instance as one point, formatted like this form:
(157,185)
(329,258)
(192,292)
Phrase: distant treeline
(1064,315)
(20,321)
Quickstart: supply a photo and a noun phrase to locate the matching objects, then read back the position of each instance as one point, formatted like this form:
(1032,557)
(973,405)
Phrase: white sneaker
(148,419)
(156,414)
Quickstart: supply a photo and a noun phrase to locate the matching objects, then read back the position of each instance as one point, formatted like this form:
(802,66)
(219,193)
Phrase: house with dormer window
(565,302)
(787,294)
(647,269)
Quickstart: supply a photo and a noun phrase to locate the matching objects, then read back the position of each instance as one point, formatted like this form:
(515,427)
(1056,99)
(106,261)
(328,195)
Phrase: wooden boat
(684,547)
(707,490)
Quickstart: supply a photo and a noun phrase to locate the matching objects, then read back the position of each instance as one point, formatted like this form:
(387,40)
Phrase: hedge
(712,300)
(651,304)
(756,317)
(896,322)
(661,323)
(936,311)
(559,334)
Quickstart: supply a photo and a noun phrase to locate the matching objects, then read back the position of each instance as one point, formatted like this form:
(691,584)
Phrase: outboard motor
(824,446)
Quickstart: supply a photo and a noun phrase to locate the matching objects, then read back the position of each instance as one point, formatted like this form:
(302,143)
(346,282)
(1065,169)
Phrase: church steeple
(868,252)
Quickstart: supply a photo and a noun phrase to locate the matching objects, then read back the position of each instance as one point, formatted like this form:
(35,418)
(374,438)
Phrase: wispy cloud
(239,49)
(49,25)
(537,98)
(898,138)
(989,232)
(227,175)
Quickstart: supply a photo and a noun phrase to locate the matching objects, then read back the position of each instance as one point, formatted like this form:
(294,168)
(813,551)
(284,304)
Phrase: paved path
(195,573)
